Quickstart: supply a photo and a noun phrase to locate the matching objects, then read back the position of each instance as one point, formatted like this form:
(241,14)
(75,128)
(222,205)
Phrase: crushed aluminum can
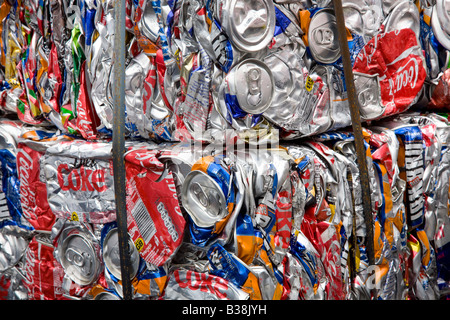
(227,266)
(323,38)
(13,244)
(442,10)
(186,284)
(150,281)
(249,25)
(106,295)
(308,261)
(78,251)
(13,286)
(339,109)
(43,273)
(155,222)
(289,84)
(404,15)
(249,88)
(148,23)
(363,17)
(411,165)
(79,179)
(10,206)
(438,225)
(431,48)
(110,252)
(440,24)
(136,92)
(208,195)
(203,199)
(33,191)
(195,107)
(395,89)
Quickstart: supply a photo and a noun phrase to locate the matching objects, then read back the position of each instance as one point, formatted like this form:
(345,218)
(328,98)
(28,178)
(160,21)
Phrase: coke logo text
(82,178)
(407,75)
(202,282)
(25,168)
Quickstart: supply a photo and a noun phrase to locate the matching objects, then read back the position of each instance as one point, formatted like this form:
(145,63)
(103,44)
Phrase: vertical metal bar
(357,129)
(119,145)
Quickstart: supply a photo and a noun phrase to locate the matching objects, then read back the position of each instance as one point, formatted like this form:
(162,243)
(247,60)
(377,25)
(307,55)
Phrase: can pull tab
(200,193)
(324,36)
(82,260)
(366,97)
(254,86)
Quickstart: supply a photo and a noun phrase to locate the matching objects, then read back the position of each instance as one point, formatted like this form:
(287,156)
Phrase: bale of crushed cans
(242,180)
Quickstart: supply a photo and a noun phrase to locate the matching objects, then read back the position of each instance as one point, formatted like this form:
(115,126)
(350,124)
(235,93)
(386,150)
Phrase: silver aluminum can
(111,254)
(80,181)
(78,251)
(441,35)
(105,295)
(404,15)
(250,25)
(251,82)
(339,108)
(289,85)
(267,283)
(363,17)
(442,8)
(367,88)
(148,25)
(323,37)
(13,243)
(203,199)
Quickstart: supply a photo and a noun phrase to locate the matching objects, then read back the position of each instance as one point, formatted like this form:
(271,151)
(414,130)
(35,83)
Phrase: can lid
(250,24)
(443,12)
(404,15)
(323,37)
(105,295)
(203,199)
(111,254)
(441,35)
(79,259)
(368,95)
(254,86)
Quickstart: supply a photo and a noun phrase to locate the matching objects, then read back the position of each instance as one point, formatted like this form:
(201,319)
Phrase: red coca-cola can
(154,218)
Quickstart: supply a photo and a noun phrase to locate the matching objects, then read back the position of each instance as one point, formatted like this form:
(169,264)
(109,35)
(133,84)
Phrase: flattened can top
(404,15)
(105,295)
(440,34)
(442,8)
(79,258)
(252,83)
(323,37)
(203,199)
(250,24)
(111,254)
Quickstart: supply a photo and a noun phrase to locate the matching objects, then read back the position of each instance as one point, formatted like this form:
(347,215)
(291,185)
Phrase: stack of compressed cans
(242,180)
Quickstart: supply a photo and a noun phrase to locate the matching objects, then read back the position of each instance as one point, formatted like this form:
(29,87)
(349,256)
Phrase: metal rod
(119,146)
(357,130)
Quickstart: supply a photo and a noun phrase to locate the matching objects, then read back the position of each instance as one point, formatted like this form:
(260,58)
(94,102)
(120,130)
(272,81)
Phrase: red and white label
(154,218)
(396,59)
(33,192)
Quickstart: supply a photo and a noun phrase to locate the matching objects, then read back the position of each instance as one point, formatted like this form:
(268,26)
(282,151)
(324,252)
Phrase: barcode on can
(4,211)
(144,222)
